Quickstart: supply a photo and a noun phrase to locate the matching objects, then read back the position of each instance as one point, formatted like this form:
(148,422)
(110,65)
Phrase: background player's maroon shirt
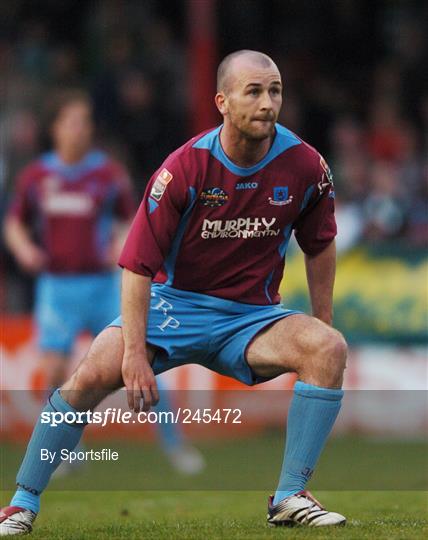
(72,208)
(209,226)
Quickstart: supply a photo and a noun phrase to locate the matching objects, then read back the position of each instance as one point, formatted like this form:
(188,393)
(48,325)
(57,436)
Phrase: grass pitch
(164,505)
(221,515)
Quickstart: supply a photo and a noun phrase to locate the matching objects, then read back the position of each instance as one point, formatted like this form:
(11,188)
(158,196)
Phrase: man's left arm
(320,274)
(315,231)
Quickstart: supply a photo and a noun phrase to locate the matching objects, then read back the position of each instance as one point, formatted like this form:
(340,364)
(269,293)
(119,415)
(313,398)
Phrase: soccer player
(206,251)
(67,224)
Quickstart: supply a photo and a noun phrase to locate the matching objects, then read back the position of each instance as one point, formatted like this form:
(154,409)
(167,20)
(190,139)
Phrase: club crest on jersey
(159,186)
(280,196)
(213,197)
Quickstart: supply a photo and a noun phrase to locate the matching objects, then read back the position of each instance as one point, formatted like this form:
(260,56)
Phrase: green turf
(348,463)
(223,515)
(179,510)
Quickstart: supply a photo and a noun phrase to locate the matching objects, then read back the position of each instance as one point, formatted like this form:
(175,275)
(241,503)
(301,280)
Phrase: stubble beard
(254,135)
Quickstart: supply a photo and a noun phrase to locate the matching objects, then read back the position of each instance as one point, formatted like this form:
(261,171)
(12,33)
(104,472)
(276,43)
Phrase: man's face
(253,99)
(73,128)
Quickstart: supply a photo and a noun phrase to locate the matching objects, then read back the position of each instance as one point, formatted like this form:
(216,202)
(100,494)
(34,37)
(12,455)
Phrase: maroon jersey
(73,207)
(209,226)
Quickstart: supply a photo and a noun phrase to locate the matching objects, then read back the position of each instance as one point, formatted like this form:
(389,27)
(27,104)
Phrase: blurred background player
(65,225)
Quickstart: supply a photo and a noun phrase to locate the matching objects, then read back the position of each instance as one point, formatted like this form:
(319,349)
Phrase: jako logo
(247,185)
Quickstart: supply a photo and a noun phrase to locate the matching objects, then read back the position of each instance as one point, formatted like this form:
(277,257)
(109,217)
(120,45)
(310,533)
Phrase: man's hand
(18,239)
(140,382)
(31,258)
(137,373)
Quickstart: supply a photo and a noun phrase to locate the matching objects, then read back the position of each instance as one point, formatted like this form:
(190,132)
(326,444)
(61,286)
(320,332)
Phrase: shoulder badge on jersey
(327,177)
(159,185)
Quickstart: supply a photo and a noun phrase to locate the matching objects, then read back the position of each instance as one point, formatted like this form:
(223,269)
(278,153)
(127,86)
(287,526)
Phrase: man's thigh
(235,335)
(100,371)
(285,345)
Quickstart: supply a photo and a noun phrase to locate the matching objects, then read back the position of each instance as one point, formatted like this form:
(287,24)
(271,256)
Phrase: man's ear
(221,103)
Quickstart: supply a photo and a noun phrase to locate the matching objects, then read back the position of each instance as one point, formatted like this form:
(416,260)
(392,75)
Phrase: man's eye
(275,91)
(254,92)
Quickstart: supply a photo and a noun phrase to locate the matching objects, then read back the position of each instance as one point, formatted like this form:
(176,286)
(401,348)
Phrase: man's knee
(329,360)
(87,376)
(324,356)
(334,349)
(82,388)
(98,374)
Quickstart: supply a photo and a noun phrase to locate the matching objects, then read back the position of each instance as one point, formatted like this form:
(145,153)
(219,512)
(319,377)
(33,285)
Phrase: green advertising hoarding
(380,294)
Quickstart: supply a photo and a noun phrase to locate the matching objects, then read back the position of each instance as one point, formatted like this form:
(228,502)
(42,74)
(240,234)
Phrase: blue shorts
(66,305)
(193,328)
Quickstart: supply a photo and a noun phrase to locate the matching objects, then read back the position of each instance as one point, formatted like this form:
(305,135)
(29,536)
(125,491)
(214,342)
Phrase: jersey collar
(284,139)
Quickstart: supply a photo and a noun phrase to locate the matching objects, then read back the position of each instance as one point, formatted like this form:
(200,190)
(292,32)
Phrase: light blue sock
(80,447)
(312,413)
(170,434)
(34,473)
(25,499)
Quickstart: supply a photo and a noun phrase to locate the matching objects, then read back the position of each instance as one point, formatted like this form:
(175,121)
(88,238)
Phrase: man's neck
(242,151)
(71,156)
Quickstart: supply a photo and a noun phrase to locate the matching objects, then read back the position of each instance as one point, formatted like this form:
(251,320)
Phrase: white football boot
(301,509)
(186,459)
(15,521)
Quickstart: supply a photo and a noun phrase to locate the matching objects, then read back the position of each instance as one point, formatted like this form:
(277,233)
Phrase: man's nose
(266,102)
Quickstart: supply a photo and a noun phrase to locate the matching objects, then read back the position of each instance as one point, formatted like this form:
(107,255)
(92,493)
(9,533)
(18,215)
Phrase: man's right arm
(18,239)
(148,244)
(137,373)
(16,229)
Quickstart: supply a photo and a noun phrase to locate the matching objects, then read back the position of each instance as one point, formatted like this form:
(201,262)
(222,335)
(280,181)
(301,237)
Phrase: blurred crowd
(355,87)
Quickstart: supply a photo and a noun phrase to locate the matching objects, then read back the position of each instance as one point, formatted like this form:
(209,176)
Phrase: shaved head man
(246,57)
(203,263)
(249,97)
